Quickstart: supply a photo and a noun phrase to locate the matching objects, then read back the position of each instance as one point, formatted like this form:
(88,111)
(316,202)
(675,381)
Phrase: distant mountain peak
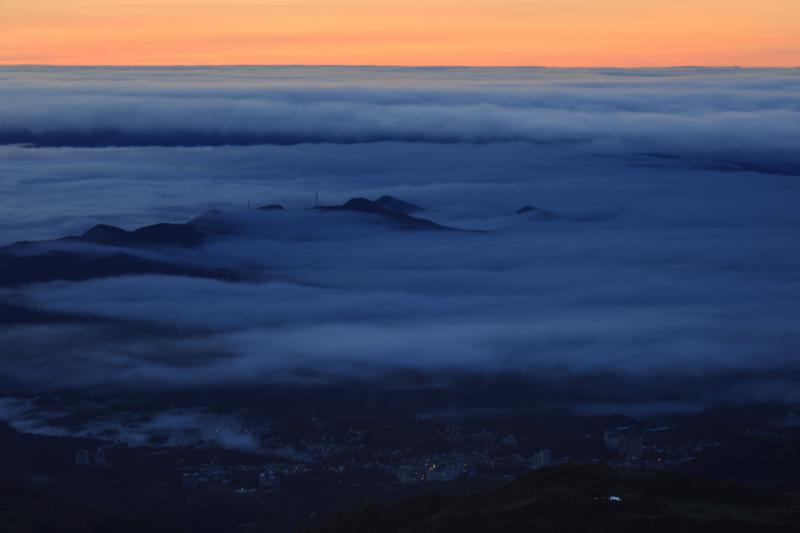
(395,204)
(163,234)
(364,205)
(536,213)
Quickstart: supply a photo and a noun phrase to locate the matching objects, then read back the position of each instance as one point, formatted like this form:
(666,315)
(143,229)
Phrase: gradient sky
(401,32)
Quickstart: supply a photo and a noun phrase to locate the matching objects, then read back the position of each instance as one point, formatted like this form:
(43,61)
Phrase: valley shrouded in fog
(655,269)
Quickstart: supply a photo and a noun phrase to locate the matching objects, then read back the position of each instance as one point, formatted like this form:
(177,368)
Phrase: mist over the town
(663,243)
(438,245)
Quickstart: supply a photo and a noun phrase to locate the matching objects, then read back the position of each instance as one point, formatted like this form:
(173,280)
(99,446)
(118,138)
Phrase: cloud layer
(688,111)
(670,262)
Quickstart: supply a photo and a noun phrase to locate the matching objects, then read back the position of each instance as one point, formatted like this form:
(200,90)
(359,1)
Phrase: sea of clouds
(672,262)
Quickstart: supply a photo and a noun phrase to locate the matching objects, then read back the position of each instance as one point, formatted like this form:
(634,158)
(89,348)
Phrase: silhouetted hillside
(583,498)
(154,235)
(395,204)
(41,268)
(392,214)
(27,510)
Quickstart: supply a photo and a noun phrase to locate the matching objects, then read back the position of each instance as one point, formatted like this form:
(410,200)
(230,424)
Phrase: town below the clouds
(310,441)
(344,299)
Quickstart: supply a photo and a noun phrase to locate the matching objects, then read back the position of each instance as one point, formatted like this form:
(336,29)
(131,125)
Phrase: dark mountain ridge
(577,498)
(397,205)
(70,266)
(23,263)
(364,205)
(154,235)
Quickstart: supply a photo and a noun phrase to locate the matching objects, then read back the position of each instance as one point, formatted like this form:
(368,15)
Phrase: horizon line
(397,66)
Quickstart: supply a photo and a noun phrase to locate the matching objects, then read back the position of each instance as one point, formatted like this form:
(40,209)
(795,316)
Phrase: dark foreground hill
(27,510)
(583,499)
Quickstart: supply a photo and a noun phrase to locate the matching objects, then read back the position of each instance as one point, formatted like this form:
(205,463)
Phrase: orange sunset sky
(401,32)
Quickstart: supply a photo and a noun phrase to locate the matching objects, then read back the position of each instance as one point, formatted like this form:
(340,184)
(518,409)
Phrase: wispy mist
(668,257)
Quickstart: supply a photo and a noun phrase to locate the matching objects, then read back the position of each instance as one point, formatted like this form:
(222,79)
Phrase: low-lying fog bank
(616,247)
